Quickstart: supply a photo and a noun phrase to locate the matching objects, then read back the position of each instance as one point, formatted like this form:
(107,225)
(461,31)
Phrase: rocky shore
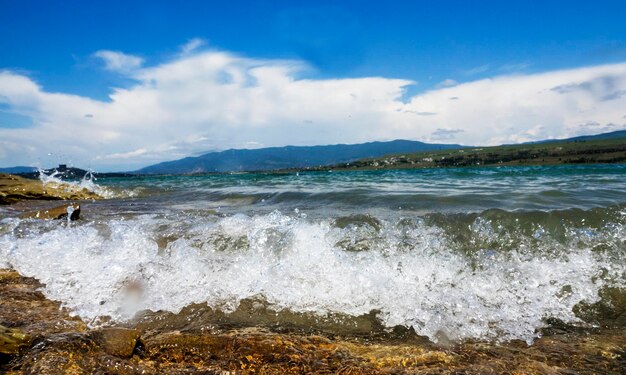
(37,336)
(14,189)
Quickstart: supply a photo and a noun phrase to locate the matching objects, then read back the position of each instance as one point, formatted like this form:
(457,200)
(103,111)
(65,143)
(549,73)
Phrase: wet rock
(251,351)
(14,189)
(359,233)
(73,353)
(608,312)
(257,312)
(8,276)
(118,342)
(55,213)
(12,340)
(62,344)
(23,306)
(358,220)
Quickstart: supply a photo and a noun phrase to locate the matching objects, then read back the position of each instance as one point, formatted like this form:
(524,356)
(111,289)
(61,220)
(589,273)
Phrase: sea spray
(88,182)
(468,253)
(491,279)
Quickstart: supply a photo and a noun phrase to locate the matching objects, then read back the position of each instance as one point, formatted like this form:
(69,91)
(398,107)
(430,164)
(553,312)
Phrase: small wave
(88,182)
(474,277)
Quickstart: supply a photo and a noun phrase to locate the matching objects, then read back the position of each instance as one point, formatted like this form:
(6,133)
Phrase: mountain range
(273,158)
(596,137)
(276,158)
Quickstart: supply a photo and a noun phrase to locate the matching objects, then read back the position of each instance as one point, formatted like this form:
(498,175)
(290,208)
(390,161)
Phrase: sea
(451,254)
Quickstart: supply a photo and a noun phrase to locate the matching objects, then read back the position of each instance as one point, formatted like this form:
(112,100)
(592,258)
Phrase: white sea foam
(413,274)
(87,182)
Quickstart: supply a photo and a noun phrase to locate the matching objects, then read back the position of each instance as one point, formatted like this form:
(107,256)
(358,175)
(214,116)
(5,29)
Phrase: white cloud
(514,67)
(477,70)
(191,46)
(125,155)
(519,108)
(447,83)
(119,62)
(217,100)
(445,134)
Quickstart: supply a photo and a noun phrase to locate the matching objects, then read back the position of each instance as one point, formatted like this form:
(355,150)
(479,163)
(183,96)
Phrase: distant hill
(612,135)
(62,172)
(14,170)
(290,157)
(596,137)
(274,158)
(607,148)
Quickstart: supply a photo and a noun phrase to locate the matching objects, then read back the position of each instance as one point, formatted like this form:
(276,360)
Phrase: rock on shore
(42,338)
(55,213)
(14,189)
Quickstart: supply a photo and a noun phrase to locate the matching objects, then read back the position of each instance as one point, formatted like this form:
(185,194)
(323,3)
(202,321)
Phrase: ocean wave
(88,182)
(494,275)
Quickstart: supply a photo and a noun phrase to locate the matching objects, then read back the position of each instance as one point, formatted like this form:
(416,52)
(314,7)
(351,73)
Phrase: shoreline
(56,342)
(551,153)
(38,336)
(591,152)
(15,189)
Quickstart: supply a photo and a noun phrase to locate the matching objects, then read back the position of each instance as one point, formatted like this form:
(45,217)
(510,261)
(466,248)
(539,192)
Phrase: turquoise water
(471,253)
(426,190)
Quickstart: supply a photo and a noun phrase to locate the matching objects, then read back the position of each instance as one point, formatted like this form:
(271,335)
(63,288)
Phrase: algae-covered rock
(14,189)
(73,353)
(608,312)
(12,340)
(119,342)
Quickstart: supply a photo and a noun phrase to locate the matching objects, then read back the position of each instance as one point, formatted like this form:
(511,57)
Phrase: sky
(118,85)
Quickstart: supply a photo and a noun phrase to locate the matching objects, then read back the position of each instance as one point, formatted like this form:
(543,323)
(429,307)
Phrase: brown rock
(23,306)
(119,342)
(59,212)
(64,345)
(14,189)
(12,340)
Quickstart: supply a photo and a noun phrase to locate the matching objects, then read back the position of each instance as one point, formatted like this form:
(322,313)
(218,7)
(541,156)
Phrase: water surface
(454,254)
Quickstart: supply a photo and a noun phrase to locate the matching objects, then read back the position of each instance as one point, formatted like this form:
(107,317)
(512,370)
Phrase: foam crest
(410,271)
(88,182)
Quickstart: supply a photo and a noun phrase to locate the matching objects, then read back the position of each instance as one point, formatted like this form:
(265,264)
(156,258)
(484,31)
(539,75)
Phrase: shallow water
(455,254)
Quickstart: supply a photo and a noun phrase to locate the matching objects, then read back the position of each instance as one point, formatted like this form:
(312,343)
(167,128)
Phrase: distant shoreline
(576,152)
(611,151)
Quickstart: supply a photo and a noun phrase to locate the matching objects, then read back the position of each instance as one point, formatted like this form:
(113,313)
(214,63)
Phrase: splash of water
(88,182)
(414,273)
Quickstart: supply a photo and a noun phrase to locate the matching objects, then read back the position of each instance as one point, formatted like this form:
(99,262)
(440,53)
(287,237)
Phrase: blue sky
(420,40)
(418,48)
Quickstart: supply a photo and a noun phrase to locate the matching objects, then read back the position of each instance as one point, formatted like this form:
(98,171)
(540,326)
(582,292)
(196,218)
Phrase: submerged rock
(359,232)
(14,189)
(55,213)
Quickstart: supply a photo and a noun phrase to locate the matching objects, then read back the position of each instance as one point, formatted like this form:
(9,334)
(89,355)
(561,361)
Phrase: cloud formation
(447,83)
(119,62)
(191,46)
(445,134)
(210,100)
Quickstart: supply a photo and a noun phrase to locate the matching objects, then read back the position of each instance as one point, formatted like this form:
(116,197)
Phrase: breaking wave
(494,275)
(88,182)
